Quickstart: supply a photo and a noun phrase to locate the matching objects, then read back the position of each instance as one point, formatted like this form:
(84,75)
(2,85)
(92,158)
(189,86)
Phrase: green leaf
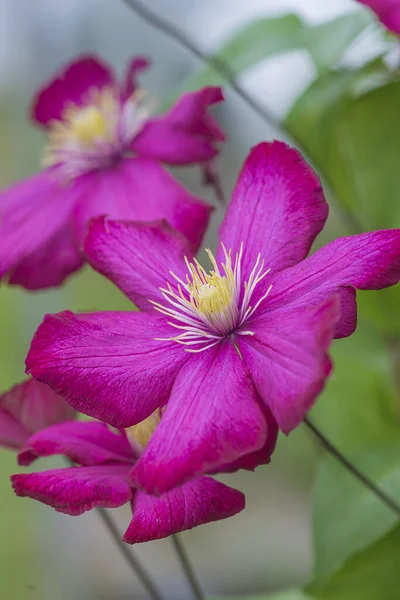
(264,38)
(361,388)
(371,575)
(348,517)
(353,137)
(327,42)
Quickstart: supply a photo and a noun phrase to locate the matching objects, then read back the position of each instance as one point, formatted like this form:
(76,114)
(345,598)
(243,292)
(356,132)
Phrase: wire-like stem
(188,569)
(133,562)
(364,479)
(229,75)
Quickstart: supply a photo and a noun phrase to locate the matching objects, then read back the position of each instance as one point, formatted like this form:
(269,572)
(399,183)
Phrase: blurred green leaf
(353,137)
(359,406)
(261,39)
(371,575)
(327,42)
(348,517)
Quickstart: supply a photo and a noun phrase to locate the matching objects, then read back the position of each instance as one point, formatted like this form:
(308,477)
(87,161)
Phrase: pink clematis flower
(103,156)
(224,348)
(27,408)
(105,459)
(387,11)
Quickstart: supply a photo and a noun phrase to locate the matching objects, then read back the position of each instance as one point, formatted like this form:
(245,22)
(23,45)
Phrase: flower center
(139,435)
(92,136)
(211,306)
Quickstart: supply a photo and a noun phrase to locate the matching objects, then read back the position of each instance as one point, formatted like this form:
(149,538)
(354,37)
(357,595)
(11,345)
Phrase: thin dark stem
(188,569)
(379,493)
(229,75)
(133,562)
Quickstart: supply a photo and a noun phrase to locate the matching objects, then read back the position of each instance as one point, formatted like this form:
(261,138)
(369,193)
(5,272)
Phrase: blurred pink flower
(103,156)
(387,11)
(27,408)
(225,348)
(105,459)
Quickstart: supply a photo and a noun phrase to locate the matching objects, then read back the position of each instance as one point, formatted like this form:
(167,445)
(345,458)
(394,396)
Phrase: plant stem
(229,75)
(188,569)
(133,562)
(379,493)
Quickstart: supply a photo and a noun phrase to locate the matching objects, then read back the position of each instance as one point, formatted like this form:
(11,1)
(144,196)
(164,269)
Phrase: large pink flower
(27,408)
(105,459)
(103,157)
(222,348)
(387,11)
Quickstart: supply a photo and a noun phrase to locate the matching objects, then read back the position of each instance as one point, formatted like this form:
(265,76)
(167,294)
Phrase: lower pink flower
(27,408)
(104,461)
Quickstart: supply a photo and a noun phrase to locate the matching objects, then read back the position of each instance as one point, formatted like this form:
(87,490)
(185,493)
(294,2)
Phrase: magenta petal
(107,365)
(76,489)
(387,11)
(51,264)
(29,407)
(142,190)
(197,502)
(84,443)
(369,261)
(32,214)
(287,358)
(129,84)
(212,418)
(70,85)
(277,208)
(186,134)
(137,257)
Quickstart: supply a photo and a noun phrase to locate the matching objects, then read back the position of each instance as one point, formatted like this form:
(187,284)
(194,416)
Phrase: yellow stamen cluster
(210,306)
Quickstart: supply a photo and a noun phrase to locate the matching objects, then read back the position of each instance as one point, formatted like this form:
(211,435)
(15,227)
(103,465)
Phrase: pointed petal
(75,490)
(137,257)
(50,264)
(141,190)
(186,134)
(369,261)
(107,365)
(129,84)
(28,407)
(287,358)
(70,85)
(277,208)
(212,418)
(32,212)
(86,443)
(197,502)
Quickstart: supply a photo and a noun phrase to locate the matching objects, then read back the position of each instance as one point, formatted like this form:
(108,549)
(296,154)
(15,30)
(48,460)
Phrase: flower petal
(369,261)
(75,490)
(50,264)
(212,418)
(142,190)
(107,365)
(70,85)
(129,84)
(287,358)
(28,407)
(277,208)
(32,212)
(137,257)
(186,134)
(197,502)
(86,443)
